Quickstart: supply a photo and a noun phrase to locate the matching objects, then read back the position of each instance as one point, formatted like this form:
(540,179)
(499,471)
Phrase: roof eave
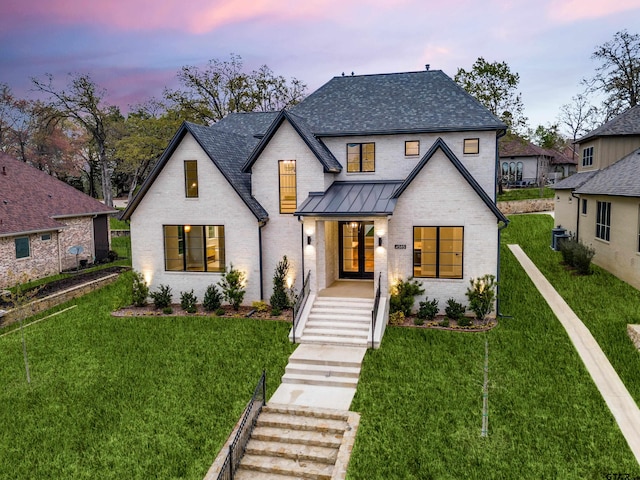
(359,133)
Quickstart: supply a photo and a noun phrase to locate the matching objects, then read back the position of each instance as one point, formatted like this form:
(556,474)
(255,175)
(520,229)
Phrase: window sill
(601,240)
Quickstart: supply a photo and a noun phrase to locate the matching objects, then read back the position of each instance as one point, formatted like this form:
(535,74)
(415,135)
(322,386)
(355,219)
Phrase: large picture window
(288,196)
(191,178)
(361,157)
(194,248)
(438,252)
(23,248)
(603,220)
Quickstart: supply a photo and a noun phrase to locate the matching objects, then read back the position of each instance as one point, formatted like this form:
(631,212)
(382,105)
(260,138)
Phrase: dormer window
(191,178)
(587,157)
(361,157)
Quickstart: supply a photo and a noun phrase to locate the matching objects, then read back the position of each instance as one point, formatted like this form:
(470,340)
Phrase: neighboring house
(523,163)
(41,218)
(376,176)
(600,205)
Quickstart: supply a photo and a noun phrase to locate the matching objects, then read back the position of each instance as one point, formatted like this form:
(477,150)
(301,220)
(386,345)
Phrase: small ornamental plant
(232,285)
(481,294)
(403,295)
(140,290)
(188,301)
(212,298)
(162,297)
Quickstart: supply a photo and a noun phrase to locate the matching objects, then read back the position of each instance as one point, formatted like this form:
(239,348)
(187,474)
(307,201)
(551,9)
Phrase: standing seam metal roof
(352,199)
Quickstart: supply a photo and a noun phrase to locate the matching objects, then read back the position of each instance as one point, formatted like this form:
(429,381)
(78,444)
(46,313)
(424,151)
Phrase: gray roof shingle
(619,179)
(425,101)
(573,181)
(31,200)
(627,123)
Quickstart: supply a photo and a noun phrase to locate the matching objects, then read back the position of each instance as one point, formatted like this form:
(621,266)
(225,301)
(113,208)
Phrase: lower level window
(438,252)
(603,220)
(194,248)
(23,249)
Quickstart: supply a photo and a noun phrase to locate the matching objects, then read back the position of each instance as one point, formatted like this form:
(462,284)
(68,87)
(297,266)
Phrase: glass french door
(356,243)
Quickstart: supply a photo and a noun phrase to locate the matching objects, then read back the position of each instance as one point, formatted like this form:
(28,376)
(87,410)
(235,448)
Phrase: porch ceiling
(352,199)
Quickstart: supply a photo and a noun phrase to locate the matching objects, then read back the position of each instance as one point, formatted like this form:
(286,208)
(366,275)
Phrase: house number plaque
(400,247)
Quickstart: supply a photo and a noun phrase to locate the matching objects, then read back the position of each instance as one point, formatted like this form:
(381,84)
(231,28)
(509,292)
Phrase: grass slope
(420,397)
(133,398)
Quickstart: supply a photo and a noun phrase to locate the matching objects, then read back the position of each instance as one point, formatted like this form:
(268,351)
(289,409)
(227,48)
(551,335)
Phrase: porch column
(310,249)
(381,256)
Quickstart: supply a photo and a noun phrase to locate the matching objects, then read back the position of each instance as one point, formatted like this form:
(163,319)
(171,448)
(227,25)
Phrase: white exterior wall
(565,211)
(283,234)
(217,204)
(440,196)
(392,164)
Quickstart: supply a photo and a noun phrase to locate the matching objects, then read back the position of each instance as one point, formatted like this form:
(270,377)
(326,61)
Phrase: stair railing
(247,424)
(374,312)
(300,303)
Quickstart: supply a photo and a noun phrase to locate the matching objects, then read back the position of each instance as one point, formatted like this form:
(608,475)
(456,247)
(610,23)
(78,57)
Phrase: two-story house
(371,178)
(600,204)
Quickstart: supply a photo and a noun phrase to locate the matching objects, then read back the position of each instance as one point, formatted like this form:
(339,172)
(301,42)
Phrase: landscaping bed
(176,311)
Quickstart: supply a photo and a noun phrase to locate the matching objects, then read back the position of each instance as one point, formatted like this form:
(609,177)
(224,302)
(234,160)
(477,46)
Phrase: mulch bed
(437,324)
(243,311)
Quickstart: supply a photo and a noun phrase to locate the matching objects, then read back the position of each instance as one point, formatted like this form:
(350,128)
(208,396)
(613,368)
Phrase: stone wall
(527,206)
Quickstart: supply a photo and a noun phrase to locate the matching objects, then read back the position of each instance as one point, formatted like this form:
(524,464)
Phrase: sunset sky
(134,48)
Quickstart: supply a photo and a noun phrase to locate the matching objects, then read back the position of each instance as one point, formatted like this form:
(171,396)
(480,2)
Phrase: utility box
(555,233)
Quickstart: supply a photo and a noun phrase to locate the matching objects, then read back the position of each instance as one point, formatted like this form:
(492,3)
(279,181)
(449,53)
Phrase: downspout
(498,277)
(261,223)
(577,215)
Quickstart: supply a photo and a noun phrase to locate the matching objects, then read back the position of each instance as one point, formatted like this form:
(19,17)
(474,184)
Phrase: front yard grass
(129,397)
(420,395)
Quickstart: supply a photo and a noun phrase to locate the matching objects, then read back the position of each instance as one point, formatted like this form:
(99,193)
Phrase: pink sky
(134,48)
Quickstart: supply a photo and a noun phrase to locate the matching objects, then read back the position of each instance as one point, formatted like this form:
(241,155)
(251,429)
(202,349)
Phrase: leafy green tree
(495,86)
(618,76)
(548,137)
(223,87)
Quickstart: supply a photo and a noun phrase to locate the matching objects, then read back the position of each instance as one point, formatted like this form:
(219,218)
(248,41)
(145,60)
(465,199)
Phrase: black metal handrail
(299,305)
(247,424)
(374,312)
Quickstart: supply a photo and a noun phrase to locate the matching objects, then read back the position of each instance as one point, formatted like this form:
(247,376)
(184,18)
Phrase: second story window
(361,157)
(288,196)
(587,157)
(471,146)
(191,178)
(412,148)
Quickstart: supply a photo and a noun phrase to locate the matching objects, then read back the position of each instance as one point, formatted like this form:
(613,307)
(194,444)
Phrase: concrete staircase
(292,442)
(339,321)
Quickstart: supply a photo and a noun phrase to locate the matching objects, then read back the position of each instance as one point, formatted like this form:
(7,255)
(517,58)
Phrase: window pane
(353,157)
(471,145)
(194,248)
(22,247)
(173,248)
(412,147)
(215,248)
(438,252)
(288,200)
(191,178)
(368,157)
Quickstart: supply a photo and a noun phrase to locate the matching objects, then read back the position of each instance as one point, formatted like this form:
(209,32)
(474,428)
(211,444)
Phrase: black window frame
(584,206)
(603,221)
(182,248)
(476,149)
(587,156)
(20,249)
(360,157)
(417,254)
(406,144)
(281,189)
(191,191)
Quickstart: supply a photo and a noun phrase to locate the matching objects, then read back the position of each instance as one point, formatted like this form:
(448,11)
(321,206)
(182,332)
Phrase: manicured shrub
(167,310)
(428,310)
(567,248)
(276,312)
(576,255)
(396,318)
(212,298)
(464,321)
(232,285)
(403,294)
(188,301)
(444,322)
(162,298)
(481,295)
(140,290)
(280,299)
(220,311)
(418,321)
(454,310)
(260,306)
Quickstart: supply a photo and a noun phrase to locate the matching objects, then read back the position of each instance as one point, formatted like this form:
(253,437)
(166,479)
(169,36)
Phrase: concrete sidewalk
(615,394)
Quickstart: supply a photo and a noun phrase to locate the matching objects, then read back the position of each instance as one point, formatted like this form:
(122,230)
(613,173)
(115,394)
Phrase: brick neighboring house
(600,204)
(370,177)
(41,217)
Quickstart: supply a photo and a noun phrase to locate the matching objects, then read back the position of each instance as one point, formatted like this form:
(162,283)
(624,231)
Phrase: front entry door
(356,241)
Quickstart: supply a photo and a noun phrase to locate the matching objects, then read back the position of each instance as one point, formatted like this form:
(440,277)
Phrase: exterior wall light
(308,239)
(379,241)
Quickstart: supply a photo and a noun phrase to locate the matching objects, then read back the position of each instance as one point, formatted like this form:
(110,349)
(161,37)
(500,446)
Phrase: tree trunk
(106,178)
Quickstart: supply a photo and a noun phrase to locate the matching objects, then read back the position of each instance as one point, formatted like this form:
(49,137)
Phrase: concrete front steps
(292,442)
(339,321)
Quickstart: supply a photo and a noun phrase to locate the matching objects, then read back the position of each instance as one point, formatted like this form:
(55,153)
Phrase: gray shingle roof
(620,178)
(574,181)
(352,199)
(425,101)
(31,200)
(627,123)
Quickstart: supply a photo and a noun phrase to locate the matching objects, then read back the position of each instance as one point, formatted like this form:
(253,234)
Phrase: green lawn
(134,398)
(525,194)
(117,224)
(420,395)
